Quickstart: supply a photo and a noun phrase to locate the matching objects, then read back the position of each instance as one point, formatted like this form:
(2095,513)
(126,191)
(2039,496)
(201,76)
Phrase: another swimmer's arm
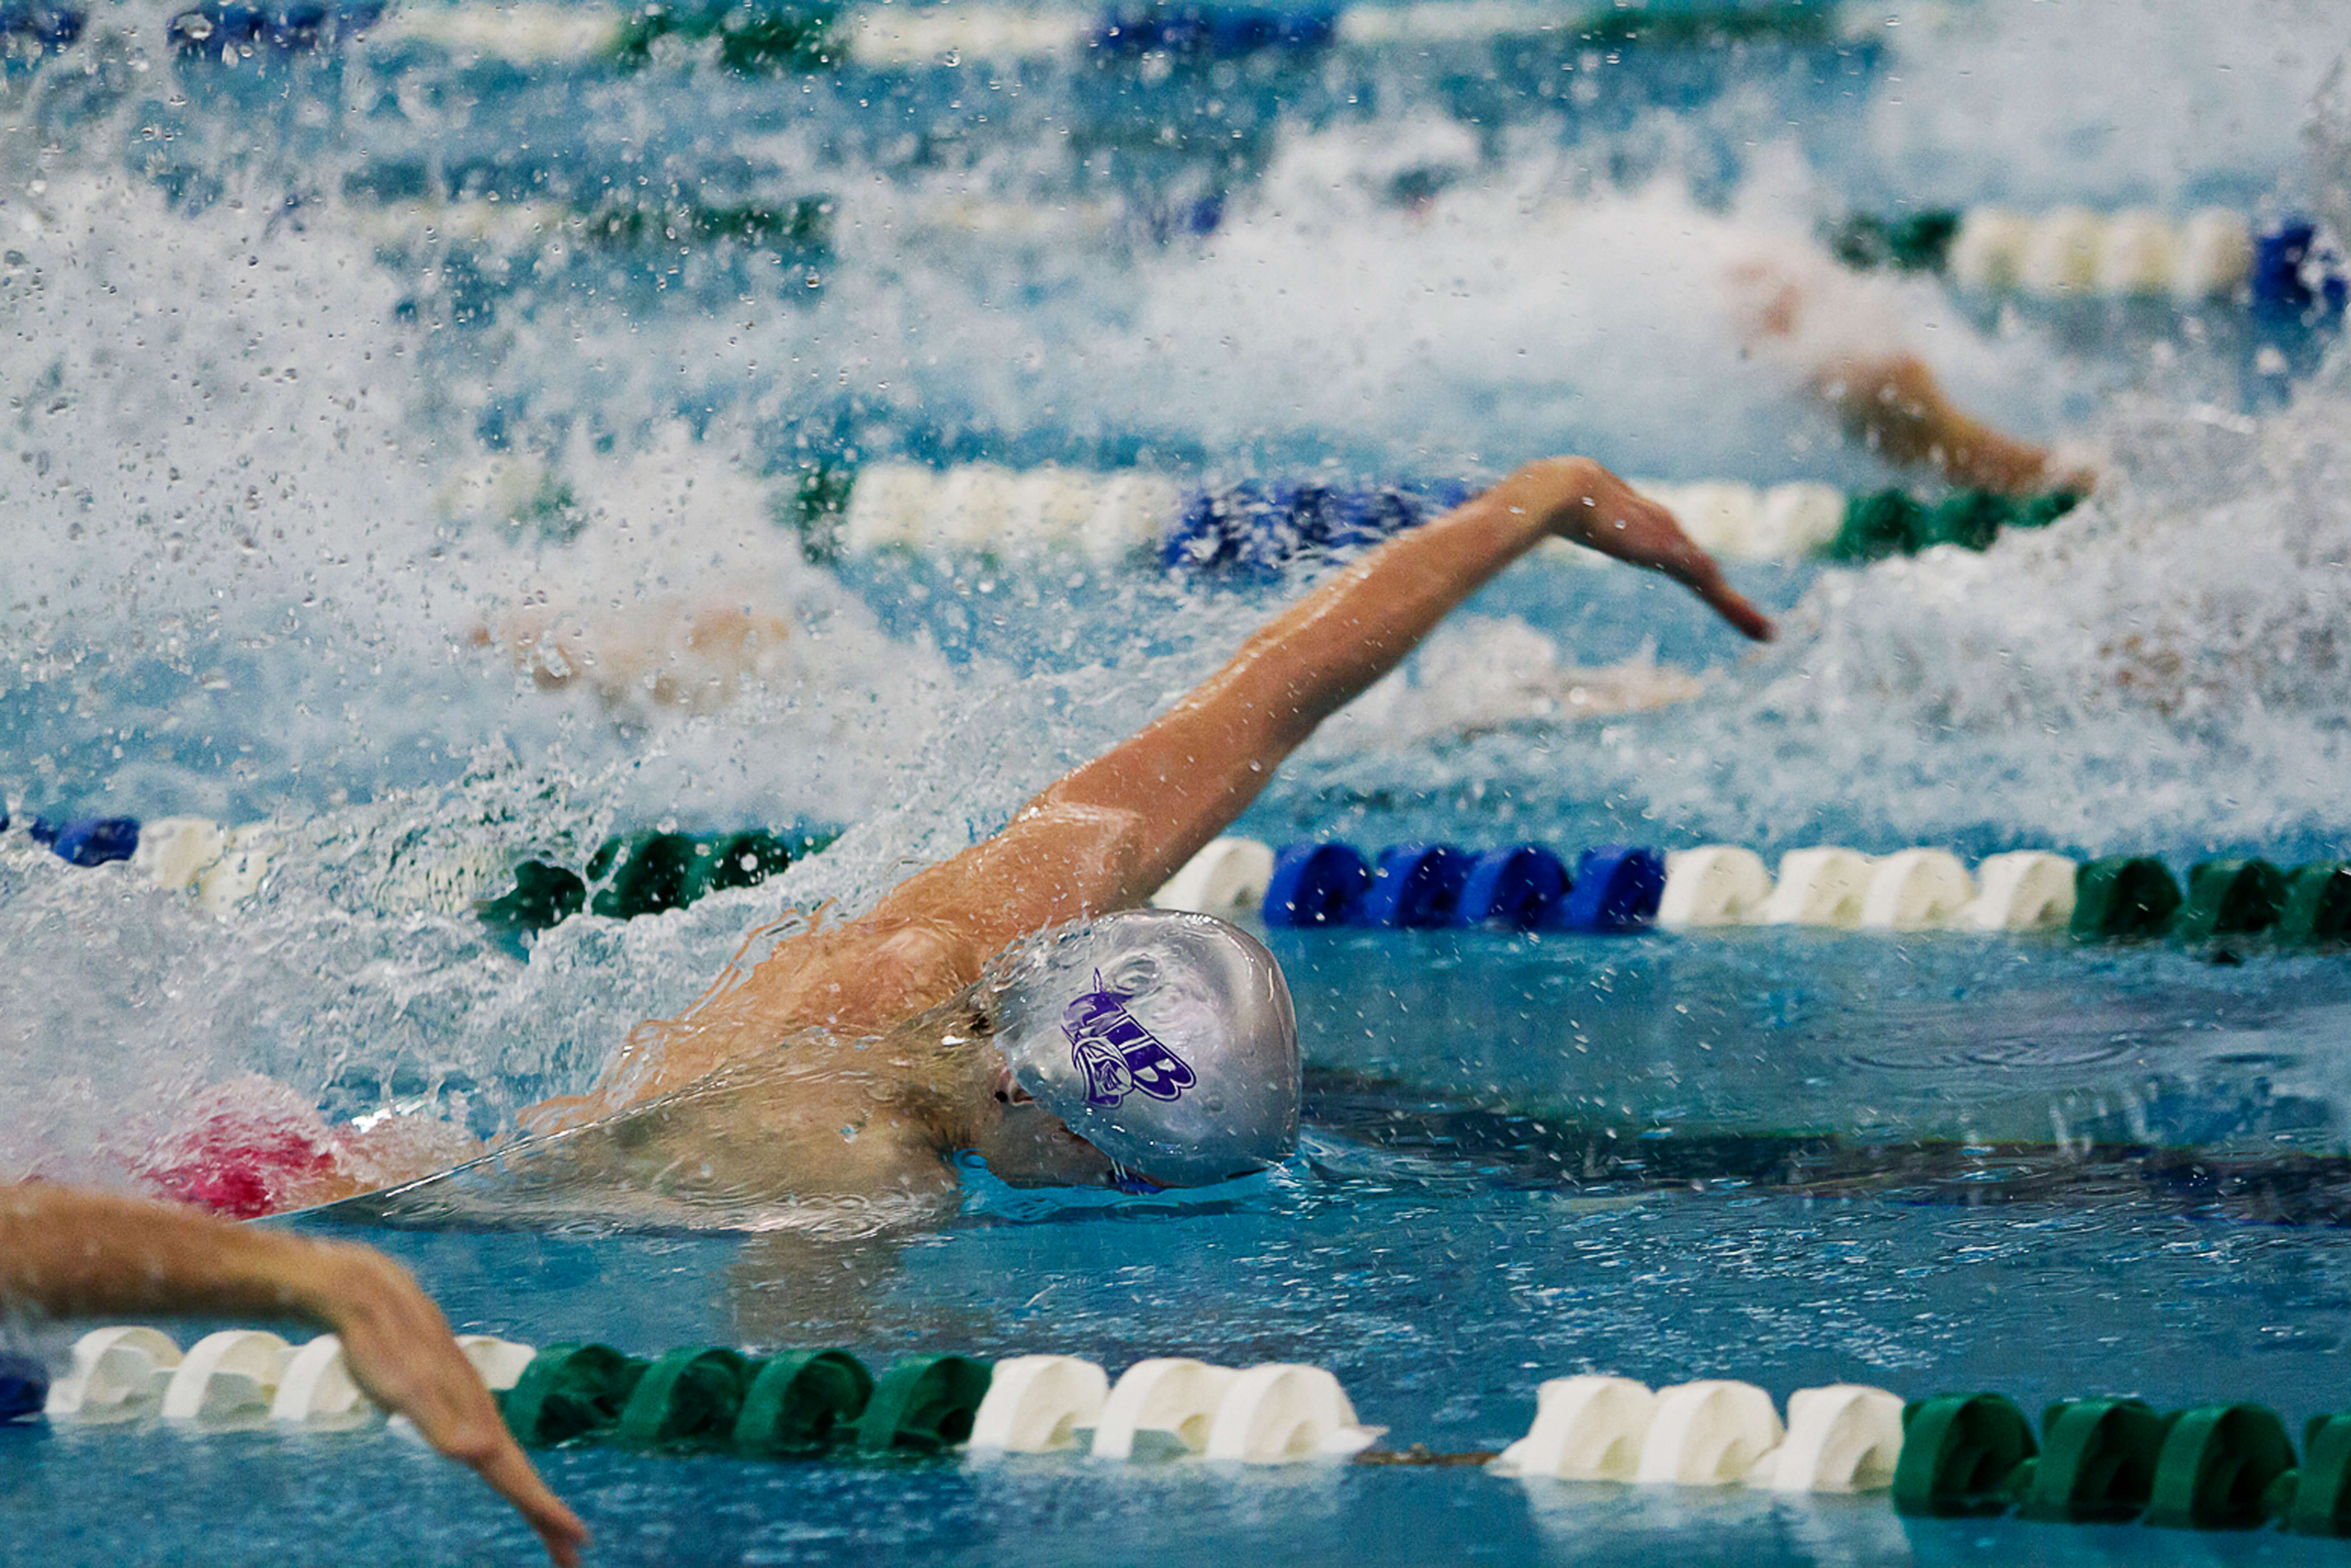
(78,1253)
(1894,405)
(1111,831)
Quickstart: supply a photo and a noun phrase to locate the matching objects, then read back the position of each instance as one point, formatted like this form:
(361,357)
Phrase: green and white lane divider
(2069,251)
(2219,1465)
(234,1378)
(2286,270)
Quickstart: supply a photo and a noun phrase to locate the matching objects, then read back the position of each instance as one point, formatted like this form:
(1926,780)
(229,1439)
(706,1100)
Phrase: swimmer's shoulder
(865,974)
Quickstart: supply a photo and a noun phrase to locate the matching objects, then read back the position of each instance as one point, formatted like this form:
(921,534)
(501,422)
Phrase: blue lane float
(90,840)
(46,28)
(1415,885)
(1520,885)
(301,26)
(1254,529)
(1315,884)
(1615,887)
(2296,276)
(24,1387)
(1213,33)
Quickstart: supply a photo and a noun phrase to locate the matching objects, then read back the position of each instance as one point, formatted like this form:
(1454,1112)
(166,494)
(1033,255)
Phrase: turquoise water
(1811,1216)
(281,438)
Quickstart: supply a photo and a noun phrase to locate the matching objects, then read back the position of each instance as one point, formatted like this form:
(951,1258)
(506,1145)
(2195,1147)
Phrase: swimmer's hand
(1585,504)
(80,1254)
(399,1349)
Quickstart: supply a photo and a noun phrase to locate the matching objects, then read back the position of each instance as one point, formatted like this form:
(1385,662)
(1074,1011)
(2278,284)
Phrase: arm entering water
(77,1253)
(1112,830)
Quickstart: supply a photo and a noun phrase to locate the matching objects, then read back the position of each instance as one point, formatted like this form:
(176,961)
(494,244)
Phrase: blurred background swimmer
(72,1253)
(1714,285)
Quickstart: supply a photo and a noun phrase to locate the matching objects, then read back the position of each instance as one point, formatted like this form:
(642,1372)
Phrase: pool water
(306,433)
(2154,1213)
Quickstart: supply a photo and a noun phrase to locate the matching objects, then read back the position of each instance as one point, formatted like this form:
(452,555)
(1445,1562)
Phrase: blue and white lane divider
(1623,888)
(982,507)
(220,867)
(909,37)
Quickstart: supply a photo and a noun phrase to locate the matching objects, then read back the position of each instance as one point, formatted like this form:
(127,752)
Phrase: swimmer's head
(1163,1039)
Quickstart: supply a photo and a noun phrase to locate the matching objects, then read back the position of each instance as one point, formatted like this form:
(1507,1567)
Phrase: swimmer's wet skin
(926,1026)
(80,1253)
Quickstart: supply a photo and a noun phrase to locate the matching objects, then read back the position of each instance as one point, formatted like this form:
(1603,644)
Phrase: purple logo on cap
(1118,1056)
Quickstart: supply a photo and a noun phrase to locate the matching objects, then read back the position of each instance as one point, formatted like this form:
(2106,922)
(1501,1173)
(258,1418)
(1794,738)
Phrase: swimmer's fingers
(1617,521)
(399,1349)
(1705,579)
(510,1475)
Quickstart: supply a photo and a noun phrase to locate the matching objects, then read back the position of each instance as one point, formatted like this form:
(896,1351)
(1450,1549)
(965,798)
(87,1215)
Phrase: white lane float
(315,1389)
(1715,884)
(1708,1434)
(237,875)
(1845,1438)
(1161,1408)
(2072,251)
(229,1376)
(174,852)
(1229,875)
(1588,1428)
(1038,1405)
(1794,521)
(1916,890)
(1822,886)
(116,1373)
(500,1362)
(2025,890)
(1282,1414)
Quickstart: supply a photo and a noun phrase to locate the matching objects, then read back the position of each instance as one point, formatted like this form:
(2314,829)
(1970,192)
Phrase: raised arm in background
(1110,831)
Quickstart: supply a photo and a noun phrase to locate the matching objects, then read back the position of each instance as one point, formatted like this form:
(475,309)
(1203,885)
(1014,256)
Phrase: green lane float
(2317,902)
(2220,1467)
(570,1393)
(2231,898)
(2096,1463)
(926,1403)
(2319,1497)
(687,1402)
(2122,896)
(801,1403)
(642,874)
(1958,1453)
(1886,523)
(2210,1467)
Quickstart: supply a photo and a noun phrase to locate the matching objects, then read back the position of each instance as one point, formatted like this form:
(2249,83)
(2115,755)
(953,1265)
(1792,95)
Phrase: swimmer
(77,1253)
(1013,1000)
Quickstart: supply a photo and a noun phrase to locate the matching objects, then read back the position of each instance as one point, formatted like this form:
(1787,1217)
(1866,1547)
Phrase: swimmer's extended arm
(1111,831)
(77,1253)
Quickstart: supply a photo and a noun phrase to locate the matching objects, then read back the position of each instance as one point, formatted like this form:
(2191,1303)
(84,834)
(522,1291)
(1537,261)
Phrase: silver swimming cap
(1165,1040)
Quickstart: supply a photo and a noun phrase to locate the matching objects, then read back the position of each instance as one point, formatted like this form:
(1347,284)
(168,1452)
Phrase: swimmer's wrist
(319,1281)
